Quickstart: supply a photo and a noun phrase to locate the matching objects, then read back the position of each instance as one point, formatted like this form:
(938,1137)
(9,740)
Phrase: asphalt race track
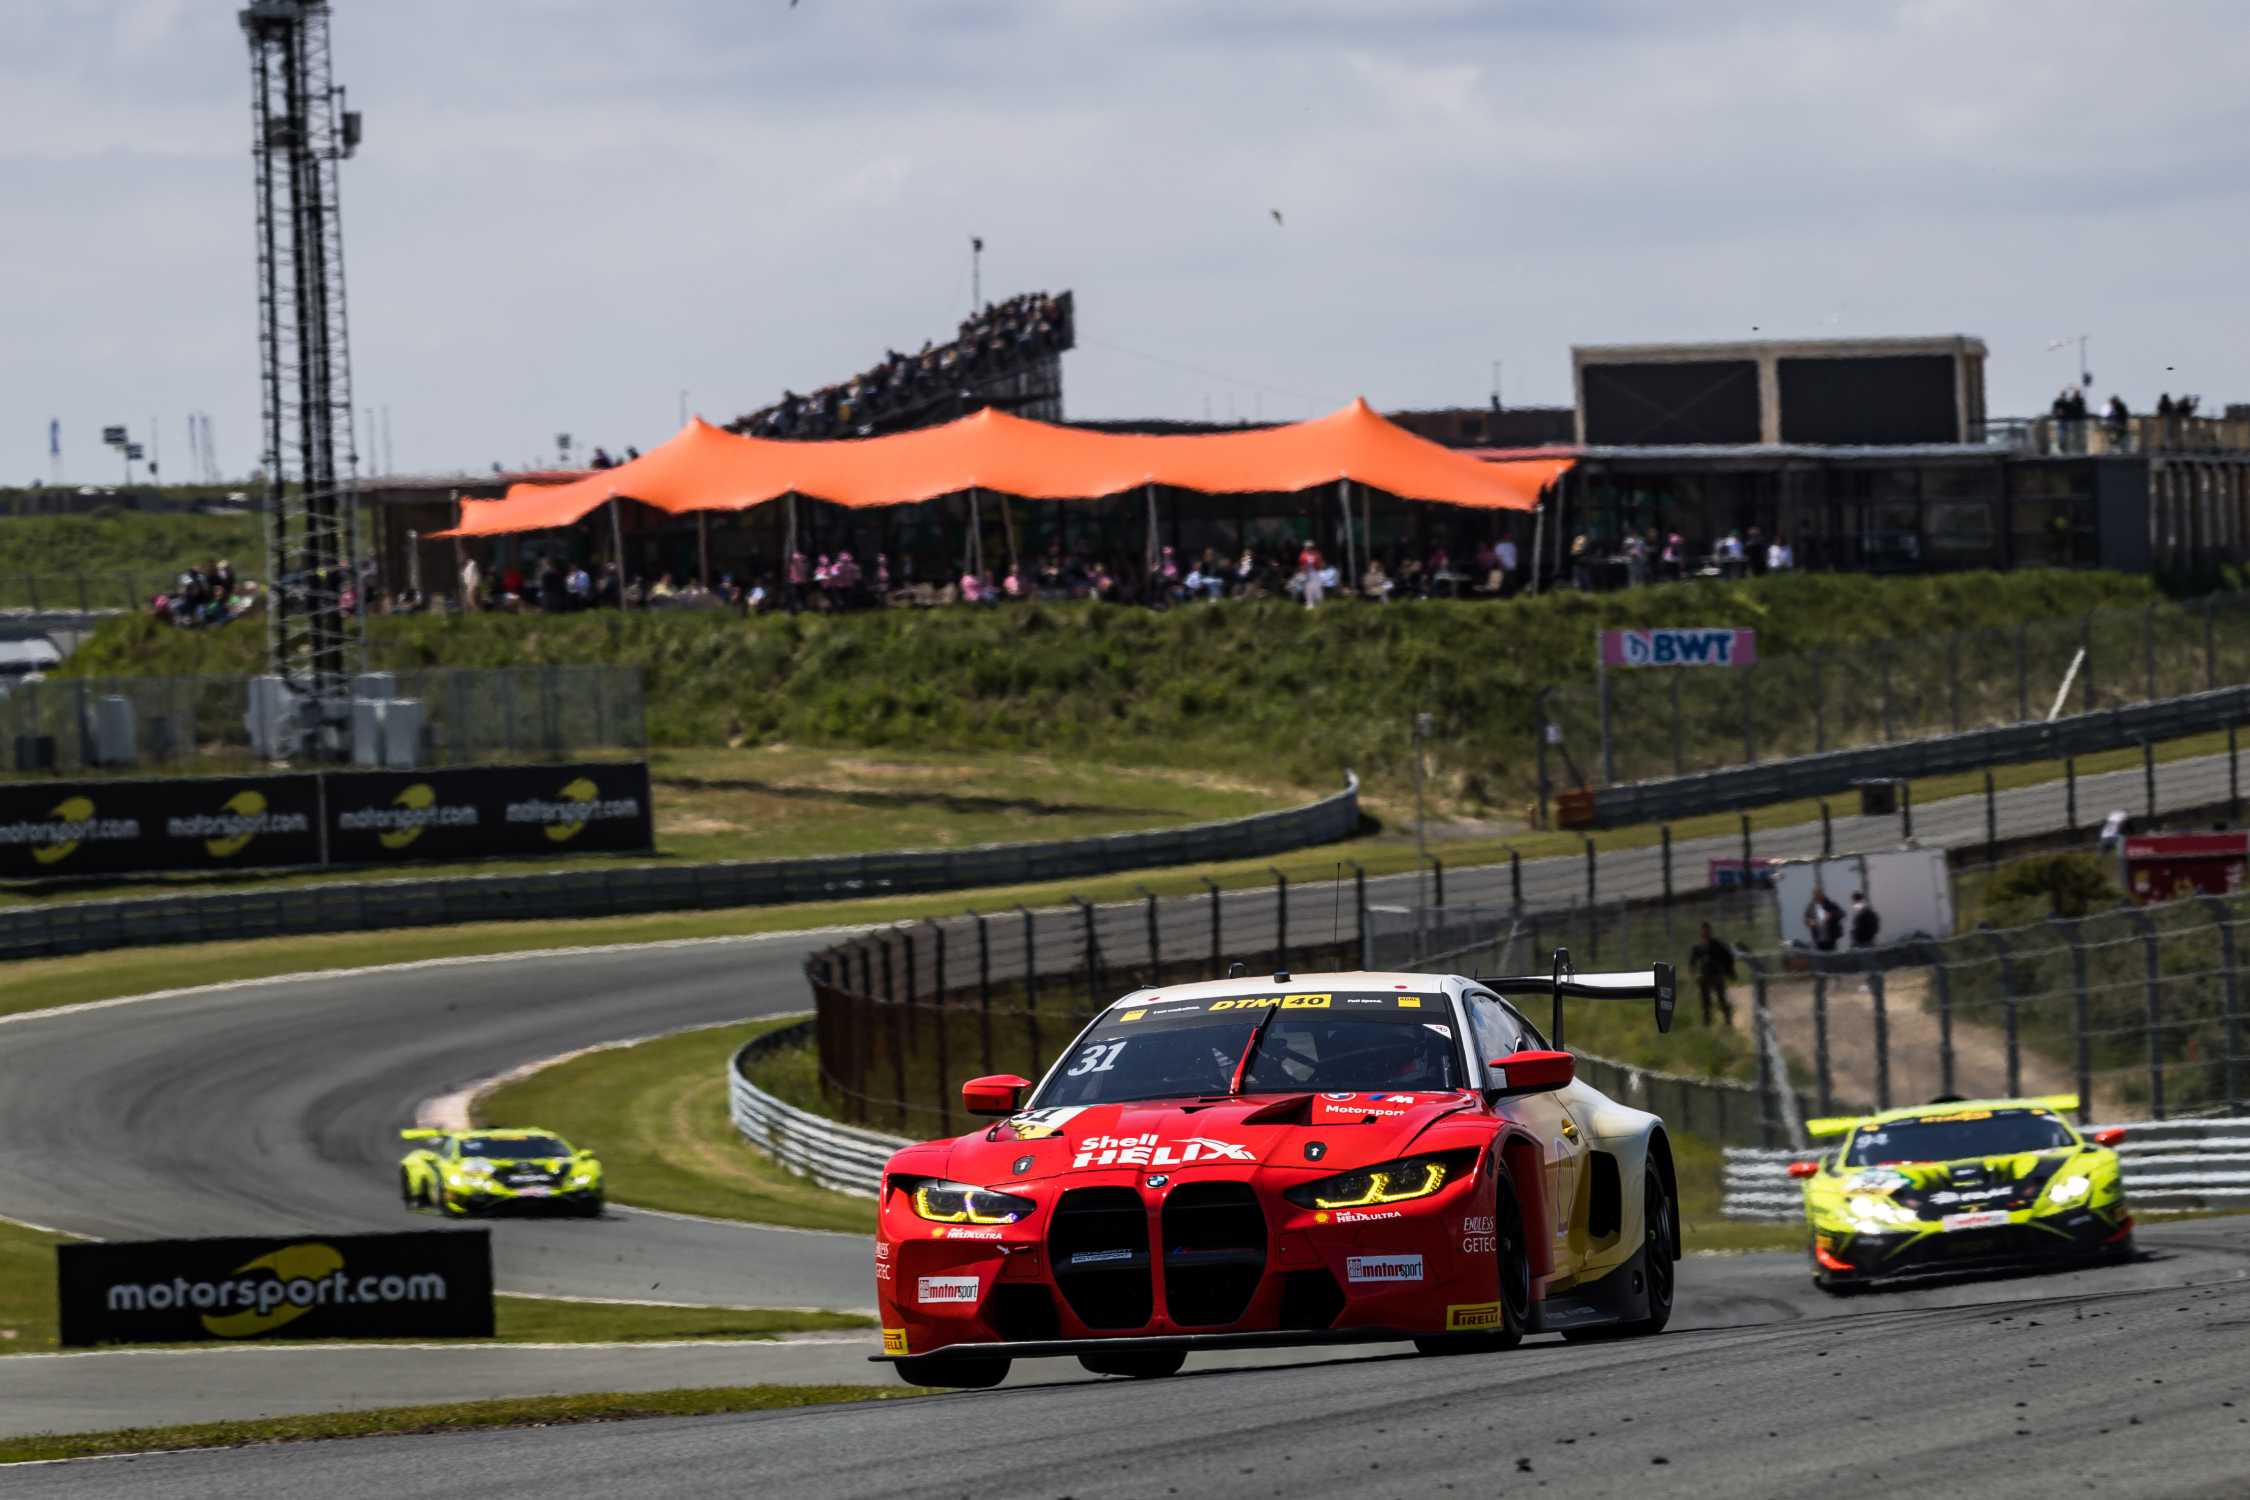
(2129,1381)
(274,1107)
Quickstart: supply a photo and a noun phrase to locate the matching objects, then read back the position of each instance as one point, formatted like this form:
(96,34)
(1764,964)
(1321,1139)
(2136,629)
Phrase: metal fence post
(1991,823)
(1665,833)
(1888,733)
(984,992)
(1941,986)
(1218,950)
(1822,1083)
(944,1027)
(1437,879)
(1953,679)
(1280,920)
(1679,743)
(2008,1011)
(2070,793)
(1749,720)
(2155,1022)
(1359,905)
(1819,700)
(1609,745)
(1770,1115)
(2210,649)
(1827,831)
(1543,726)
(2082,1043)
(2229,998)
(1093,952)
(1905,808)
(1031,984)
(2086,644)
(1515,879)
(1747,857)
(1155,942)
(1590,858)
(2148,651)
(2023,674)
(2234,778)
(2148,773)
(1882,1038)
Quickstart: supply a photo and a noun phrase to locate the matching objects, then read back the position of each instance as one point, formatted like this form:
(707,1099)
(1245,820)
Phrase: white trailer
(1911,890)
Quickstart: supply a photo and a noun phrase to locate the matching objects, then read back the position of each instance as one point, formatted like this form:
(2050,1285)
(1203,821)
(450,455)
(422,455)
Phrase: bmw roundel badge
(1023,1165)
(1158,1179)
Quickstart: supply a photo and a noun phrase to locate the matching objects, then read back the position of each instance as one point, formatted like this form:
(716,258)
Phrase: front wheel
(406,1193)
(1513,1256)
(961,1374)
(1143,1364)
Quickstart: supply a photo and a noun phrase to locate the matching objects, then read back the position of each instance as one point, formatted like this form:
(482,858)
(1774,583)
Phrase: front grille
(1214,1251)
(1020,1310)
(1310,1299)
(1097,1244)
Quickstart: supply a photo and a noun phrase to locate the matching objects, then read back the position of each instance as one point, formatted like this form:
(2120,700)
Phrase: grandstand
(1008,355)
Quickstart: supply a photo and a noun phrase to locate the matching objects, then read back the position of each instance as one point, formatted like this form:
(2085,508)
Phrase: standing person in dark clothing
(1865,923)
(1712,960)
(1824,921)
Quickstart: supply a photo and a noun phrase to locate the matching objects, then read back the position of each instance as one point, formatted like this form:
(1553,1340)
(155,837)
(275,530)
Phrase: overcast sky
(566,212)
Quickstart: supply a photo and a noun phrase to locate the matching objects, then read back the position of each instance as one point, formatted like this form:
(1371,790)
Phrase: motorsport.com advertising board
(426,1284)
(57,829)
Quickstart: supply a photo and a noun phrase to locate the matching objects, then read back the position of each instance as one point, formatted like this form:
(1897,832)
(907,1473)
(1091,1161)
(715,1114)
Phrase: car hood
(1330,1132)
(518,1163)
(1931,1189)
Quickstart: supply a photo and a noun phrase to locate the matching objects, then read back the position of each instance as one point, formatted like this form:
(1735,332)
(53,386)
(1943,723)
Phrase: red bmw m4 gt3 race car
(1288,1160)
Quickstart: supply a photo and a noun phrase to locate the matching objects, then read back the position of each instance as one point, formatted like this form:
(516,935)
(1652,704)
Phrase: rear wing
(1654,984)
(419,1134)
(1834,1125)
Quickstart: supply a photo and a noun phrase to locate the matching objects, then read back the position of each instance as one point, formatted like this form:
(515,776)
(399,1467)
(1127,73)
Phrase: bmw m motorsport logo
(427,1285)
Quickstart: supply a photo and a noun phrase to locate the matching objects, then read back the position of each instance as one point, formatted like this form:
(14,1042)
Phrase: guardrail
(2168,1165)
(835,1156)
(1838,771)
(370,906)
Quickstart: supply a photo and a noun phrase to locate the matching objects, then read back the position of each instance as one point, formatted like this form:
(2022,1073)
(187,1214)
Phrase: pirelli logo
(894,1341)
(1472,1317)
(1268,1002)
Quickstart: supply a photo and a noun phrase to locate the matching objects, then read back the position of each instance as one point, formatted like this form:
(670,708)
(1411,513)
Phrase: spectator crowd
(991,344)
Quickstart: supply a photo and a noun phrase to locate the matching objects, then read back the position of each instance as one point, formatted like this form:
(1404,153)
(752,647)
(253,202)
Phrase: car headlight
(1388,1182)
(1877,1212)
(475,1167)
(943,1202)
(2070,1189)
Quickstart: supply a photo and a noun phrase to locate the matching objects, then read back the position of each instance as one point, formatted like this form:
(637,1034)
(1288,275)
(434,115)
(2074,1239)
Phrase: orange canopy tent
(705,469)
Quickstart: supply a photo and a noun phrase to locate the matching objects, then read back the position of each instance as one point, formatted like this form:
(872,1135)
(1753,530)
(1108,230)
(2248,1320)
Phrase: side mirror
(1801,1169)
(1531,1073)
(2109,1136)
(993,1095)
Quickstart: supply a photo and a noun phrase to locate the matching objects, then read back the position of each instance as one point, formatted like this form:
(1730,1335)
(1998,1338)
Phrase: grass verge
(460,1416)
(28,1326)
(656,1112)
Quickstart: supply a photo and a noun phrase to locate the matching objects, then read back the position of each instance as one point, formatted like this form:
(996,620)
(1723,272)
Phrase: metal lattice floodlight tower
(300,131)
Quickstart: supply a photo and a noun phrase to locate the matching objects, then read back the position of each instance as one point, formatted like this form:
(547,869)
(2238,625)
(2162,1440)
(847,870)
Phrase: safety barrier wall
(835,1156)
(81,927)
(2168,1164)
(1838,771)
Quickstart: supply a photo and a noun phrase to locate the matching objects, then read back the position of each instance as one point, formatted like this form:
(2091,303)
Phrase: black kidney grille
(1214,1252)
(1097,1244)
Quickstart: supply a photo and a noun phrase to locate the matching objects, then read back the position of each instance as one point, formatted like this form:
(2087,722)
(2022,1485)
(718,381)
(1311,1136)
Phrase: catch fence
(75,726)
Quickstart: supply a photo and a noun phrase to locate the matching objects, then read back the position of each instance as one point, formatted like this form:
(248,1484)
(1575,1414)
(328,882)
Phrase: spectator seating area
(908,390)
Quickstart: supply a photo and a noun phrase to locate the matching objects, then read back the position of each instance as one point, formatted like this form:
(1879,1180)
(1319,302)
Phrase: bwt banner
(429,1284)
(385,817)
(1718,647)
(56,828)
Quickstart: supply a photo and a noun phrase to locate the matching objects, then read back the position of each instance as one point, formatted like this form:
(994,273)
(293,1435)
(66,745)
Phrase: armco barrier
(2168,1164)
(1838,771)
(367,906)
(839,1157)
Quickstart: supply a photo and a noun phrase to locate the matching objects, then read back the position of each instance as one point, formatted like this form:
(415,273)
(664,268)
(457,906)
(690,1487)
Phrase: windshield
(1185,1049)
(1981,1132)
(514,1148)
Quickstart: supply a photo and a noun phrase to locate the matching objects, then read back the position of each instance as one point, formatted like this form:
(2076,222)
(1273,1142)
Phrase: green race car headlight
(1388,1182)
(943,1202)
(2068,1190)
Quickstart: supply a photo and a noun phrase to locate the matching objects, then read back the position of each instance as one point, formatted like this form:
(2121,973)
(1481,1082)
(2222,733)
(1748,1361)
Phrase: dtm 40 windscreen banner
(52,829)
(386,817)
(431,1284)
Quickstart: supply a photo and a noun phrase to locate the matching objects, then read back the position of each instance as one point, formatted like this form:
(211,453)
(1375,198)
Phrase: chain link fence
(75,726)
(1633,726)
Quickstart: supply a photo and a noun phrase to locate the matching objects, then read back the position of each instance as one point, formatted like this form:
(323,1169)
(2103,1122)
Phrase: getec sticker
(1471,1317)
(1383,1268)
(1476,1234)
(946,1289)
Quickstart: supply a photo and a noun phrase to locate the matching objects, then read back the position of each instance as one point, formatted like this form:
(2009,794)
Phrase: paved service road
(2127,1381)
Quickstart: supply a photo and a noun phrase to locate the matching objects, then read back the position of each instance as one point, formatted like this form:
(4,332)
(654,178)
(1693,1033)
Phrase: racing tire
(960,1374)
(406,1193)
(1143,1364)
(1835,1288)
(1513,1252)
(591,1208)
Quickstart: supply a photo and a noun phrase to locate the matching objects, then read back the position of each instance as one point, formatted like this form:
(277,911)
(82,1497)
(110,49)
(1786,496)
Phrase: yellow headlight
(959,1203)
(1390,1182)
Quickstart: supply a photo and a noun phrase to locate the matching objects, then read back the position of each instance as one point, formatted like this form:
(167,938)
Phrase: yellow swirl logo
(250,806)
(416,798)
(581,790)
(77,811)
(296,1272)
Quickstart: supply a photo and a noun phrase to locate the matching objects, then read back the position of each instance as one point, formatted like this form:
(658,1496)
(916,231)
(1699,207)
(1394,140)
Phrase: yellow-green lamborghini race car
(462,1172)
(1962,1185)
